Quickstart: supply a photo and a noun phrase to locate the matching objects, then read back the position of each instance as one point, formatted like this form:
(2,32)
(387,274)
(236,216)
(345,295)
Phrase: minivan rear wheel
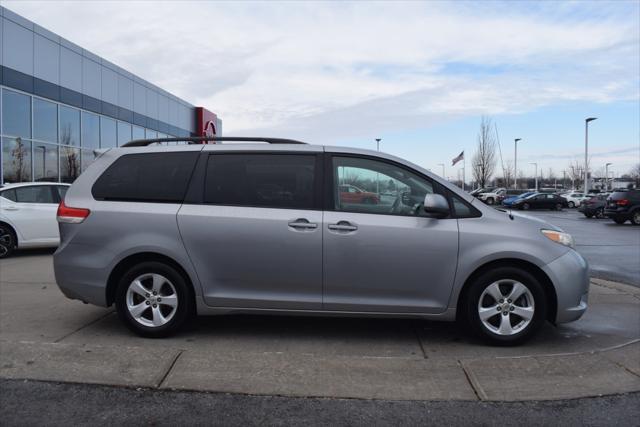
(505,306)
(153,299)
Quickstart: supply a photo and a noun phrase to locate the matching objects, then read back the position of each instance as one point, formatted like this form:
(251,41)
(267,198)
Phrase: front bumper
(570,277)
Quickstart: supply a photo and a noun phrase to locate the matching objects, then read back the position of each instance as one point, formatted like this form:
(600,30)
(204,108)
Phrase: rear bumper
(82,273)
(620,213)
(570,277)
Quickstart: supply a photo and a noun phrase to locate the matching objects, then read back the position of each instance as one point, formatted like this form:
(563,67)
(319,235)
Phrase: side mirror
(436,206)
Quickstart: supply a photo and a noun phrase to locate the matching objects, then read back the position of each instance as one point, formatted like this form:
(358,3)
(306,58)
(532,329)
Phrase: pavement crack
(171,365)
(473,382)
(424,353)
(82,327)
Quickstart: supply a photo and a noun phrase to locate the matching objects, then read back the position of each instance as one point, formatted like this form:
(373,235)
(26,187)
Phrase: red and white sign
(206,122)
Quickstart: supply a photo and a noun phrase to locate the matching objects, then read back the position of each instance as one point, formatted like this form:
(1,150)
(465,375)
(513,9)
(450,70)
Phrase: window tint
(34,194)
(153,177)
(372,186)
(264,180)
(9,195)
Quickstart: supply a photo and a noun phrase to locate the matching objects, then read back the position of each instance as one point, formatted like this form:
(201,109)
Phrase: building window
(45,120)
(108,135)
(45,162)
(69,126)
(16,160)
(90,131)
(150,134)
(138,133)
(124,133)
(16,114)
(69,164)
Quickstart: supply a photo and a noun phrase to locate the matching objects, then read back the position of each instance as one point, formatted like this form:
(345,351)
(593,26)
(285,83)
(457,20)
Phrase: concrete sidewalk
(44,336)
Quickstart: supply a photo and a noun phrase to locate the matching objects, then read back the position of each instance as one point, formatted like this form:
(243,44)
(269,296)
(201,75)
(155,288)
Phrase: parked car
(352,194)
(575,199)
(165,232)
(540,201)
(481,190)
(624,206)
(493,197)
(594,206)
(509,200)
(28,215)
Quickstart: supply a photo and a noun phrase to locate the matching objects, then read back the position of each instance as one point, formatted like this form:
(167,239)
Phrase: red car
(352,194)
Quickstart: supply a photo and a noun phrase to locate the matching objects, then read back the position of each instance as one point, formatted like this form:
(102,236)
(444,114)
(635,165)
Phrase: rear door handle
(302,224)
(343,226)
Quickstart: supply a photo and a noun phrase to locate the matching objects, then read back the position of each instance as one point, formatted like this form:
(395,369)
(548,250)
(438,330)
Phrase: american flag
(457,159)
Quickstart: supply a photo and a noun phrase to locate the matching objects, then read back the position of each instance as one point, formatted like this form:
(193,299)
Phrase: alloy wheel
(636,218)
(506,307)
(6,242)
(152,300)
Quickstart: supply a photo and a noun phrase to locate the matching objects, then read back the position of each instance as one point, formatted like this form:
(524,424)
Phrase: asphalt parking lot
(613,250)
(348,366)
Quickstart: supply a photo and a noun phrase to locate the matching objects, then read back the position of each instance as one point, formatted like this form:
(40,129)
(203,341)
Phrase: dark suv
(623,206)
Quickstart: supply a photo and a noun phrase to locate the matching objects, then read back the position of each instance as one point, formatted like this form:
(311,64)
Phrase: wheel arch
(126,263)
(541,276)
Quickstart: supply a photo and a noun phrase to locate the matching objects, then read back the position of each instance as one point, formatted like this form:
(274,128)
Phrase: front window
(34,194)
(378,187)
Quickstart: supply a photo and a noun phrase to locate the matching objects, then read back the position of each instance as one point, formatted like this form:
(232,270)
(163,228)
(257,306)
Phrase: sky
(418,75)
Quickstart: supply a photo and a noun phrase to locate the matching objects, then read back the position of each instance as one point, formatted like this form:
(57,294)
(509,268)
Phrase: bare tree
(484,159)
(575,171)
(635,174)
(508,173)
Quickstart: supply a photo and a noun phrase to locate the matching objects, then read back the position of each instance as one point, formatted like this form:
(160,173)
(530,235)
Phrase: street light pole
(442,164)
(606,176)
(515,164)
(536,175)
(377,174)
(586,153)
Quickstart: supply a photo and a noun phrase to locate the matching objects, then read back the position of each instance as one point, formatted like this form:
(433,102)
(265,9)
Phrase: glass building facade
(59,102)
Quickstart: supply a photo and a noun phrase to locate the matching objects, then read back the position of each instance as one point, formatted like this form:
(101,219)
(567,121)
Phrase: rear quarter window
(151,178)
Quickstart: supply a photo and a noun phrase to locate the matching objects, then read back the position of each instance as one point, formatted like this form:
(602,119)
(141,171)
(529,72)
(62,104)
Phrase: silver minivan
(272,226)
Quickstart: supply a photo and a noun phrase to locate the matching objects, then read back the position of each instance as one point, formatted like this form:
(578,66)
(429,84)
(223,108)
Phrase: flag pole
(464,168)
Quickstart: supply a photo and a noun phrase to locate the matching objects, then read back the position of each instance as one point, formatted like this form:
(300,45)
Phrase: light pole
(515,164)
(442,164)
(586,153)
(536,175)
(606,176)
(377,174)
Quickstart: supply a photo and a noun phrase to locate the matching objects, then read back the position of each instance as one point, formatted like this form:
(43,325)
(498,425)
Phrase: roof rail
(213,139)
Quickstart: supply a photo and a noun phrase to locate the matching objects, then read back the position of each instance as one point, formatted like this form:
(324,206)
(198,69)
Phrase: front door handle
(343,226)
(302,224)
(10,208)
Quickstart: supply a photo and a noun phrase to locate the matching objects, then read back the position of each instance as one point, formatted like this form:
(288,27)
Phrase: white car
(575,199)
(492,197)
(28,215)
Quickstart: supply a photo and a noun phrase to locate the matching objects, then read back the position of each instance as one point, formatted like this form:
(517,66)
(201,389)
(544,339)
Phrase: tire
(160,318)
(525,206)
(558,207)
(619,221)
(490,201)
(588,215)
(635,217)
(572,205)
(600,213)
(8,241)
(512,328)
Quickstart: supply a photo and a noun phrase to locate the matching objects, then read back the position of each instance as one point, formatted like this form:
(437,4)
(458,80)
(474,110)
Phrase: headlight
(559,237)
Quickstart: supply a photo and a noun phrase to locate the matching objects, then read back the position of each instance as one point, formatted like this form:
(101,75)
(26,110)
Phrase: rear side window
(153,177)
(9,195)
(261,180)
(34,194)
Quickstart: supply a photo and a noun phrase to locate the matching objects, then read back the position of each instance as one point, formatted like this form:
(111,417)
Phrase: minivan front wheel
(505,306)
(153,299)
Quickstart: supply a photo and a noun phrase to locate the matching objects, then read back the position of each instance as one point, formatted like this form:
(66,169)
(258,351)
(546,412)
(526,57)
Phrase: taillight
(71,215)
(622,202)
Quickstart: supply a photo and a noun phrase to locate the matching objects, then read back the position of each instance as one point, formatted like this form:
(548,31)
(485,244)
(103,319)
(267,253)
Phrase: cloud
(336,69)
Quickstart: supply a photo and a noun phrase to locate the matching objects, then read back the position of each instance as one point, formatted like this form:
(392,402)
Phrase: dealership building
(59,102)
